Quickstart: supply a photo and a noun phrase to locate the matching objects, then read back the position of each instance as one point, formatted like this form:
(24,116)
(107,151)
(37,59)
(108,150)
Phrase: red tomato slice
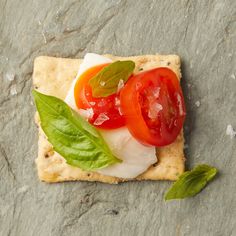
(106,111)
(153,105)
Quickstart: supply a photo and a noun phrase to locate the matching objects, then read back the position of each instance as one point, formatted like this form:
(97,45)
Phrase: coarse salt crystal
(197,103)
(121,84)
(92,103)
(154,109)
(87,114)
(13,90)
(117,101)
(230,131)
(90,112)
(156,92)
(101,119)
(120,112)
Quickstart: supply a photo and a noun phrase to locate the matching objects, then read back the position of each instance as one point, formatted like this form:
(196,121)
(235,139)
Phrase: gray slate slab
(203,33)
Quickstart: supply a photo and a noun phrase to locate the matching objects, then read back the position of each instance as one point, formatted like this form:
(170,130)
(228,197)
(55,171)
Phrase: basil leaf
(191,182)
(72,136)
(106,81)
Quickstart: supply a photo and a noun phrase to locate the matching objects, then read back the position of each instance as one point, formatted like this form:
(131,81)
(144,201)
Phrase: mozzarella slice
(136,158)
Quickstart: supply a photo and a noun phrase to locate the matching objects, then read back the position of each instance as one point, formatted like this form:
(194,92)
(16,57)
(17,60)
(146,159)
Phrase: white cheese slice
(136,158)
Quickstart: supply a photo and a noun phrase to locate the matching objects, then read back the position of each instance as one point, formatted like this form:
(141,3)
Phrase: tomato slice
(105,111)
(153,105)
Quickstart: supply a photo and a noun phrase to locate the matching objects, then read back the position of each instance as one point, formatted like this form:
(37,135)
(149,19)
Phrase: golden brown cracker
(53,76)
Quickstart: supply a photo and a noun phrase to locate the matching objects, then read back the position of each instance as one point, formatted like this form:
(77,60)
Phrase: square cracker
(53,76)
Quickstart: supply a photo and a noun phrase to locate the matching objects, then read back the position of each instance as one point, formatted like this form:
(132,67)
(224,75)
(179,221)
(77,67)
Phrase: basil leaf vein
(191,182)
(105,82)
(72,136)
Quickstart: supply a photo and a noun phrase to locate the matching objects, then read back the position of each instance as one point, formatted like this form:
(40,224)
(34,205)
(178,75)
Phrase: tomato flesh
(153,105)
(105,110)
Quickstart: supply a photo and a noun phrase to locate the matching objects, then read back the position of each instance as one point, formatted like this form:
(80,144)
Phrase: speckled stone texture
(203,33)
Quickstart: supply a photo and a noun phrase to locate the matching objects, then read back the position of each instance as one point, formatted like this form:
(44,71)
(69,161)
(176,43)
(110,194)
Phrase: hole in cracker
(48,153)
(154,165)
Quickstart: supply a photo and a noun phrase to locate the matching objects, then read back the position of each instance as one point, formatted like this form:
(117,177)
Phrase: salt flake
(121,84)
(87,114)
(154,109)
(92,103)
(101,119)
(117,101)
(230,131)
(90,112)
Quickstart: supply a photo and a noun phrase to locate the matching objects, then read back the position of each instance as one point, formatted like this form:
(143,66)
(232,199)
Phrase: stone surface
(203,33)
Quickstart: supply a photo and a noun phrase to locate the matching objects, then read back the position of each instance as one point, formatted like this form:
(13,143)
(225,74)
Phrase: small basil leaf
(72,136)
(191,182)
(106,81)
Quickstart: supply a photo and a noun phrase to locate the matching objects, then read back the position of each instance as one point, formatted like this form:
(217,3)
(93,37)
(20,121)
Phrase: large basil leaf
(191,182)
(107,80)
(72,136)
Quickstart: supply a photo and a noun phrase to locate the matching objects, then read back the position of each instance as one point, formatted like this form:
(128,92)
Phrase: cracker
(53,76)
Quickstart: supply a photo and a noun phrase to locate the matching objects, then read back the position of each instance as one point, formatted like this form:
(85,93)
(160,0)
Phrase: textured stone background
(203,33)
